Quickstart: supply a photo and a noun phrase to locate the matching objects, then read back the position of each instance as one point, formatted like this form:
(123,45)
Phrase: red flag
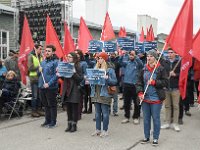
(148,37)
(52,38)
(151,33)
(120,34)
(186,63)
(68,42)
(26,47)
(181,35)
(124,31)
(142,35)
(107,31)
(196,46)
(84,36)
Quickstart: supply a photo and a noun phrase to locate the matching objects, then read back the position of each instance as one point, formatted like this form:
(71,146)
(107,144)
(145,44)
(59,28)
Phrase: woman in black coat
(71,93)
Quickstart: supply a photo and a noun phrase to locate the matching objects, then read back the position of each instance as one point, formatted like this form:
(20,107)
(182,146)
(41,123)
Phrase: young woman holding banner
(152,99)
(100,96)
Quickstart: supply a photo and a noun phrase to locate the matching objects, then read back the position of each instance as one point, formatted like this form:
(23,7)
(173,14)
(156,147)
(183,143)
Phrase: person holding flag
(152,98)
(48,86)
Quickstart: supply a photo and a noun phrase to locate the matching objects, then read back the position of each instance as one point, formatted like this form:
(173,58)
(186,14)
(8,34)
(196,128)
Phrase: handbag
(112,90)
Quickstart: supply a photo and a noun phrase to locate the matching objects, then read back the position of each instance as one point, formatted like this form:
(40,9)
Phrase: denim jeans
(151,110)
(35,103)
(115,103)
(99,110)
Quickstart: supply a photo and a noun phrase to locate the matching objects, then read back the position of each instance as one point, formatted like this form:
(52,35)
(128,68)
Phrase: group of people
(143,79)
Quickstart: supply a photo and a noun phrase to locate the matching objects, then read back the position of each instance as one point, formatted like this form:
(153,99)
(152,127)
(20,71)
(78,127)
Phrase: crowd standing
(144,82)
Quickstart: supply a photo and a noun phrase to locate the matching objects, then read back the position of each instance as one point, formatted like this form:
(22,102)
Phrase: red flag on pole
(52,38)
(107,31)
(148,38)
(142,35)
(181,35)
(124,31)
(196,46)
(84,36)
(68,41)
(26,47)
(151,33)
(186,63)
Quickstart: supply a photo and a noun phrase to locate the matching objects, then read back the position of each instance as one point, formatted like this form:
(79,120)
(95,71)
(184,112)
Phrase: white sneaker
(104,134)
(165,126)
(176,128)
(96,133)
(125,121)
(136,121)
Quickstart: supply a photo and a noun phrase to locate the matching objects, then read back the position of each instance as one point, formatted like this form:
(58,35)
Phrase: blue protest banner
(150,45)
(95,46)
(126,43)
(139,47)
(110,46)
(65,69)
(96,76)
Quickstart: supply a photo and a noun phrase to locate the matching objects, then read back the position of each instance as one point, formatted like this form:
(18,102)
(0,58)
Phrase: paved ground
(26,134)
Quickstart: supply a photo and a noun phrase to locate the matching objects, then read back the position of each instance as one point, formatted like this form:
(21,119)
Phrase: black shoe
(121,108)
(45,124)
(145,141)
(155,142)
(89,111)
(180,121)
(69,127)
(74,128)
(115,114)
(85,111)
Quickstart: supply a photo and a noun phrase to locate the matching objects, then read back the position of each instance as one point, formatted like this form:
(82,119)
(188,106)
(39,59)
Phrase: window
(4,44)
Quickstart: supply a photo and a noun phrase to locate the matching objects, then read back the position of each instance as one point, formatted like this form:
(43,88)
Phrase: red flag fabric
(151,33)
(68,41)
(52,38)
(26,47)
(186,63)
(84,36)
(124,31)
(142,35)
(195,46)
(107,31)
(181,35)
(148,37)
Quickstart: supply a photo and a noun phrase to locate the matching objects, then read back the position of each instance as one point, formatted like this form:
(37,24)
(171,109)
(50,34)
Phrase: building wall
(96,10)
(7,23)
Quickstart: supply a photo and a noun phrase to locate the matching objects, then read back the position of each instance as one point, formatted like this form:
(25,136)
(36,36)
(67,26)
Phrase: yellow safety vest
(35,64)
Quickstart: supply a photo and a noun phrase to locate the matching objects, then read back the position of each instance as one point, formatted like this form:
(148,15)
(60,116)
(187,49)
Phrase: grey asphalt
(26,134)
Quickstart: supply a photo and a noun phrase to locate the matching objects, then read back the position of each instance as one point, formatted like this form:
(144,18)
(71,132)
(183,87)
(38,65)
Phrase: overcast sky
(124,12)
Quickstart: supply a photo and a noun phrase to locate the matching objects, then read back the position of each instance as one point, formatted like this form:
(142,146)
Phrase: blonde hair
(103,65)
(11,72)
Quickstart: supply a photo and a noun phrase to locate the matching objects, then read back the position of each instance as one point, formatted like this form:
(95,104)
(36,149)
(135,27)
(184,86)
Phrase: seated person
(10,88)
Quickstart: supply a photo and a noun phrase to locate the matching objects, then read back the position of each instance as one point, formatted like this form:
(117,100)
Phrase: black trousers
(87,98)
(196,87)
(48,99)
(72,111)
(129,95)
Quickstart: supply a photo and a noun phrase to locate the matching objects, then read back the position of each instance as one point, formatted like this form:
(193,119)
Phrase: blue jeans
(102,109)
(35,103)
(115,103)
(151,110)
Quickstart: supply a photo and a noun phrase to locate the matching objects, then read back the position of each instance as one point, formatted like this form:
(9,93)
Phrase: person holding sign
(71,92)
(100,96)
(152,98)
(48,86)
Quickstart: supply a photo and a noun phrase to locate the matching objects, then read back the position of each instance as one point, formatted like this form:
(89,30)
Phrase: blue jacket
(133,68)
(112,80)
(49,71)
(123,61)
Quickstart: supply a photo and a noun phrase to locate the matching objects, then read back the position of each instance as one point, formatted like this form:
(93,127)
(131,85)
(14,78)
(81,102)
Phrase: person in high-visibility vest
(33,66)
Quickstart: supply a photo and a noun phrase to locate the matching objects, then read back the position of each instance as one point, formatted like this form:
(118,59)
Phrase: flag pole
(39,64)
(154,70)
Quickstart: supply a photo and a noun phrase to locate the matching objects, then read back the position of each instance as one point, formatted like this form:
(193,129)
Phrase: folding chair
(15,106)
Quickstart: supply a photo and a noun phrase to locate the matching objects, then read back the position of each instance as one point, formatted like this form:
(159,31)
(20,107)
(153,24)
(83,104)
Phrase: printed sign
(96,76)
(126,43)
(139,47)
(95,46)
(110,46)
(150,45)
(65,69)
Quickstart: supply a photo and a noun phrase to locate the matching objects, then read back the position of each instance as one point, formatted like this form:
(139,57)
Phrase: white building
(96,10)
(145,21)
